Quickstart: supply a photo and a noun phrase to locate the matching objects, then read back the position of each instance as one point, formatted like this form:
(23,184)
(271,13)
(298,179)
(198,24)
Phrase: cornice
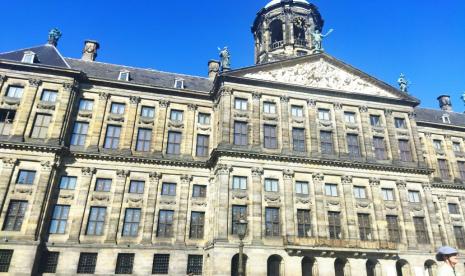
(27,146)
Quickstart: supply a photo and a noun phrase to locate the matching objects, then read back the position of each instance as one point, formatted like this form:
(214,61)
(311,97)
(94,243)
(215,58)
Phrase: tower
(282,29)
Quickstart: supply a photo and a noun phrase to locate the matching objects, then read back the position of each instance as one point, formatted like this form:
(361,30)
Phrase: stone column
(340,132)
(394,144)
(436,242)
(6,174)
(129,127)
(116,205)
(447,223)
(225,94)
(350,207)
(183,206)
(320,210)
(378,204)
(256,218)
(221,200)
(313,128)
(190,123)
(157,144)
(25,108)
(366,136)
(418,152)
(150,207)
(98,122)
(408,221)
(256,127)
(289,211)
(285,124)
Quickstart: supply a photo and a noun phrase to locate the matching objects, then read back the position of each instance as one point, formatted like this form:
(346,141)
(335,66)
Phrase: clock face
(300,22)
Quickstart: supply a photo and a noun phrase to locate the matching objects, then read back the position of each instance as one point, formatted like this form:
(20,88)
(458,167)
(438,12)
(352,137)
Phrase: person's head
(448,254)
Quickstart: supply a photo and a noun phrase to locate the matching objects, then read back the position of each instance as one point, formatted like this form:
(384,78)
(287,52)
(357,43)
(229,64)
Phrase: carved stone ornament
(35,82)
(241,114)
(46,105)
(2,78)
(311,102)
(100,197)
(122,173)
(303,200)
(351,126)
(412,115)
(318,177)
(116,117)
(338,106)
(456,219)
(134,99)
(378,130)
(257,172)
(70,86)
(104,96)
(401,184)
(225,91)
(176,124)
(297,120)
(426,186)
(164,103)
(66,196)
(390,206)
(270,117)
(85,114)
(428,134)
(134,199)
(168,201)
(374,181)
(388,112)
(416,208)
(256,95)
(23,189)
(239,195)
(155,176)
(192,107)
(11,100)
(332,203)
(203,128)
(223,169)
(275,198)
(186,178)
(363,109)
(347,179)
(199,203)
(87,171)
(9,162)
(47,165)
(363,204)
(442,198)
(288,174)
(325,123)
(284,99)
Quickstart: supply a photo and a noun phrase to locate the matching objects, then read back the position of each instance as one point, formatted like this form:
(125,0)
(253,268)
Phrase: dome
(275,2)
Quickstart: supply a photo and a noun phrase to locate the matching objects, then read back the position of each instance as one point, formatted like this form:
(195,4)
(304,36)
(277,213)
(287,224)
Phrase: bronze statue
(53,36)
(225,58)
(403,83)
(318,40)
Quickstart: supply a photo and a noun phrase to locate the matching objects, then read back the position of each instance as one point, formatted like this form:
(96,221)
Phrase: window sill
(46,105)
(11,100)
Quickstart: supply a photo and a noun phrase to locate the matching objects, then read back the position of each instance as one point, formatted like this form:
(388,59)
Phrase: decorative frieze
(45,105)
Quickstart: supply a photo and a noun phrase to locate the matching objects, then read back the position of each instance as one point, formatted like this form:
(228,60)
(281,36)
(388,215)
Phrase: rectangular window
(324,114)
(147,112)
(161,263)
(174,143)
(400,123)
(7,117)
(269,139)
(5,259)
(194,264)
(197,225)
(78,137)
(240,104)
(123,76)
(136,187)
(360,192)
(393,228)
(144,139)
(59,219)
(124,263)
(453,208)
(349,117)
(86,105)
(49,262)
(456,147)
(87,263)
(301,187)
(272,224)
(240,134)
(238,212)
(112,137)
(28,57)
(15,215)
(326,142)
(298,139)
(239,182)
(49,96)
(199,191)
(103,185)
(437,144)
(269,108)
(444,169)
(297,111)
(117,108)
(96,221)
(131,222)
(334,225)
(405,151)
(41,124)
(168,189)
(176,115)
(68,182)
(204,119)
(202,145)
(304,223)
(271,185)
(330,189)
(388,194)
(364,226)
(421,230)
(15,92)
(375,120)
(26,177)
(380,148)
(459,236)
(461,165)
(353,145)
(165,223)
(414,196)
(179,83)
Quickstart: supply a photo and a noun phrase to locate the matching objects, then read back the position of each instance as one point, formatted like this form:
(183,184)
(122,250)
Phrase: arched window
(274,265)
(431,268)
(341,267)
(277,36)
(403,268)
(309,267)
(235,265)
(373,268)
(299,32)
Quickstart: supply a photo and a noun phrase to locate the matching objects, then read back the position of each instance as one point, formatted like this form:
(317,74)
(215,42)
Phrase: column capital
(134,99)
(374,181)
(388,112)
(311,103)
(401,184)
(155,176)
(186,178)
(318,177)
(256,95)
(426,186)
(223,169)
(442,198)
(363,109)
(412,115)
(88,171)
(47,165)
(225,91)
(35,82)
(2,78)
(164,103)
(70,86)
(192,107)
(122,173)
(257,172)
(9,162)
(284,99)
(347,179)
(288,174)
(337,106)
(104,96)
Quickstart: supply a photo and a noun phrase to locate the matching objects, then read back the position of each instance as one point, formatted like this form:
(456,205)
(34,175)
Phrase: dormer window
(179,83)
(446,118)
(123,76)
(28,57)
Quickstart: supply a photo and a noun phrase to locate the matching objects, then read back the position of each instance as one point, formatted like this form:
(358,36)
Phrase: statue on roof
(225,58)
(463,97)
(318,40)
(403,83)
(53,36)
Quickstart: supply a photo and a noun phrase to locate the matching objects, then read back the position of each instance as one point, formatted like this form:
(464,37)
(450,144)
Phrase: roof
(435,116)
(275,2)
(45,54)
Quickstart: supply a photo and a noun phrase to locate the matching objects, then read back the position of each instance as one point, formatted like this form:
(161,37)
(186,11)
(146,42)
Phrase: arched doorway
(373,268)
(235,265)
(341,267)
(274,265)
(403,268)
(431,268)
(309,267)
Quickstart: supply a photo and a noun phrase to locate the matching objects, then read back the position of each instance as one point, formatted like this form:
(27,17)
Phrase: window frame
(165,223)
(326,142)
(161,263)
(117,108)
(388,194)
(299,188)
(238,212)
(87,263)
(334,225)
(67,186)
(271,185)
(144,139)
(103,184)
(350,117)
(272,222)
(131,222)
(174,143)
(14,90)
(269,107)
(59,219)
(270,139)
(297,111)
(304,223)
(332,188)
(96,223)
(28,176)
(241,104)
(112,137)
(298,139)
(136,187)
(168,189)
(414,196)
(147,111)
(176,115)
(360,192)
(202,147)
(41,126)
(124,75)
(241,133)
(203,118)
(199,191)
(49,96)
(239,179)
(197,225)
(124,263)
(85,103)
(14,221)
(79,133)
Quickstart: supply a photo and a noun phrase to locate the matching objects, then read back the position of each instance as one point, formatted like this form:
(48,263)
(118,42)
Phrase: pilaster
(341,137)
(6,174)
(116,205)
(256,219)
(436,241)
(130,126)
(394,144)
(256,126)
(183,206)
(2,81)
(416,139)
(154,180)
(447,223)
(350,207)
(285,124)
(408,221)
(190,123)
(225,94)
(320,210)
(98,122)
(311,104)
(25,108)
(157,143)
(380,221)
(289,212)
(366,127)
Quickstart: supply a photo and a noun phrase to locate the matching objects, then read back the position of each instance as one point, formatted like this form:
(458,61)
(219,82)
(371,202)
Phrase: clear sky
(425,39)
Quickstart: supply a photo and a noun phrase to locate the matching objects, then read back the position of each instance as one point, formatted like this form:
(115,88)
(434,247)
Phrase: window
(444,169)
(15,92)
(334,225)
(446,118)
(136,187)
(144,139)
(270,139)
(269,108)
(301,187)
(86,105)
(41,124)
(28,57)
(461,165)
(298,139)
(117,108)
(297,111)
(238,212)
(147,112)
(375,120)
(194,264)
(414,196)
(364,226)
(161,263)
(26,177)
(49,262)
(15,215)
(420,230)
(197,225)
(112,137)
(388,194)
(353,145)
(380,148)
(349,117)
(68,182)
(324,114)
(459,236)
(239,182)
(59,219)
(405,151)
(271,185)
(202,145)
(330,189)
(87,262)
(78,137)
(103,185)
(204,119)
(456,147)
(168,189)
(5,259)
(437,144)
(240,104)
(304,223)
(49,96)
(360,192)
(174,143)
(179,83)
(96,221)
(199,191)
(400,123)
(176,115)
(326,142)
(165,223)
(272,223)
(393,228)
(131,222)
(7,117)
(124,263)
(453,208)
(240,133)
(124,76)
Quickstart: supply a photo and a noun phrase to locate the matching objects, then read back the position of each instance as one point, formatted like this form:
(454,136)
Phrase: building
(110,169)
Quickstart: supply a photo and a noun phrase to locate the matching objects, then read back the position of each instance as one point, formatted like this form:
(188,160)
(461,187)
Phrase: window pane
(15,92)
(117,108)
(240,134)
(78,137)
(112,137)
(86,105)
(41,124)
(144,140)
(147,112)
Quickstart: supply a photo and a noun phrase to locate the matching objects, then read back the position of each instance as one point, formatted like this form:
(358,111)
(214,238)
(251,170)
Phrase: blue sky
(423,39)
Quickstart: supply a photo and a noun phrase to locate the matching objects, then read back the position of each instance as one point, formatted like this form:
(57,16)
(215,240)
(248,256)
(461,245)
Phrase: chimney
(213,69)
(445,103)
(90,50)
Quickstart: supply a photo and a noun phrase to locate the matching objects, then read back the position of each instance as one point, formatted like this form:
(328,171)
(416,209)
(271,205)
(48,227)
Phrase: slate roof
(45,55)
(435,116)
